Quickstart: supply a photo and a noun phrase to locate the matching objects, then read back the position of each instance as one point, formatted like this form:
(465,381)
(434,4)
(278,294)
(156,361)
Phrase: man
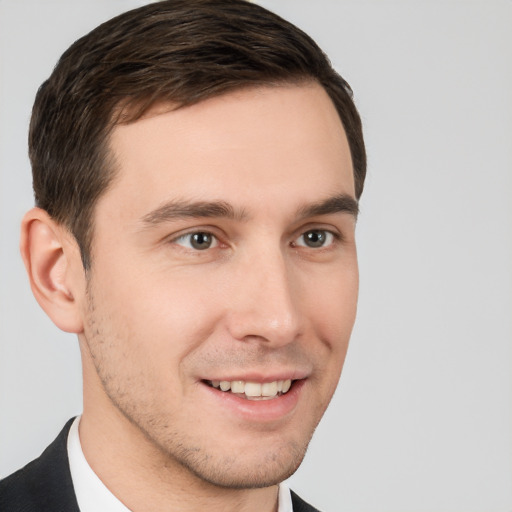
(197,167)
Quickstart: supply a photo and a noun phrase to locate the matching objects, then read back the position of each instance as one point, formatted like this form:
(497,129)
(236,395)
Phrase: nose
(265,301)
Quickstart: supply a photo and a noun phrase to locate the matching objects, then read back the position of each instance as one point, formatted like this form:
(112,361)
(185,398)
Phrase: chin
(243,470)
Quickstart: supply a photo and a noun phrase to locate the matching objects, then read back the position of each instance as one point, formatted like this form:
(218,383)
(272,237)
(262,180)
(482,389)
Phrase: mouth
(252,390)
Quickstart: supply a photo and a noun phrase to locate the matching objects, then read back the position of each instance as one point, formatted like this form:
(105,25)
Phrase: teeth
(238,386)
(269,389)
(254,389)
(225,385)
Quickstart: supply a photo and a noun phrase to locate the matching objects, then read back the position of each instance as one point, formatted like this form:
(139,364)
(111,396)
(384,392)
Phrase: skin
(157,317)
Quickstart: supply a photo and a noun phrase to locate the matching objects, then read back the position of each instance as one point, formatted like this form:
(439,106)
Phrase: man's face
(223,252)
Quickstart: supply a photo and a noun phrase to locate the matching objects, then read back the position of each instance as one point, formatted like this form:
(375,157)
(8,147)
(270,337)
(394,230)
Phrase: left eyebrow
(342,203)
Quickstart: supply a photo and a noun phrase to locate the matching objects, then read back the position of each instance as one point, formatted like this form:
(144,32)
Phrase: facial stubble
(176,451)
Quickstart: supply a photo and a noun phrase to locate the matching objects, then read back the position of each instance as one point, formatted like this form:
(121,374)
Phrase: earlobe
(50,257)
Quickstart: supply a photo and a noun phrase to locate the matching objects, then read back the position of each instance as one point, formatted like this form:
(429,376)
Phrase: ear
(52,260)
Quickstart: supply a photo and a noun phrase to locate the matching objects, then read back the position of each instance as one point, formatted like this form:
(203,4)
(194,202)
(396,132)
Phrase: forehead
(268,140)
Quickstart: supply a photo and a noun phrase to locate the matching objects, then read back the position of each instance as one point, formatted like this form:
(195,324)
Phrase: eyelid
(335,230)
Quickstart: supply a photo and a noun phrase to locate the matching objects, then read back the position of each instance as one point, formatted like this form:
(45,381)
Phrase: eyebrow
(341,203)
(180,209)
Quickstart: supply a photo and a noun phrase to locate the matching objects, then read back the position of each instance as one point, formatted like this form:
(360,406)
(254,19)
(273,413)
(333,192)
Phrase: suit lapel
(43,485)
(299,505)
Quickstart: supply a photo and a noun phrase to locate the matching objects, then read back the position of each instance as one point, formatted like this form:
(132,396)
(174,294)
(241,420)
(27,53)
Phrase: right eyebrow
(177,209)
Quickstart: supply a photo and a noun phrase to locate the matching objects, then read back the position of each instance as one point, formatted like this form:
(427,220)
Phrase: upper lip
(261,377)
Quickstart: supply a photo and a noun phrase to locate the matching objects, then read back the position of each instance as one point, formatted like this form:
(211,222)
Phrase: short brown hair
(179,51)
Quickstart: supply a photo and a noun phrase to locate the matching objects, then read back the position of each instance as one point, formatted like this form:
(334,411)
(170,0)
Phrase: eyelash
(331,236)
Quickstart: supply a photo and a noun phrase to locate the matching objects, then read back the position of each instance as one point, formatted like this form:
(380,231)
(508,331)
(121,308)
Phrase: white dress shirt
(91,493)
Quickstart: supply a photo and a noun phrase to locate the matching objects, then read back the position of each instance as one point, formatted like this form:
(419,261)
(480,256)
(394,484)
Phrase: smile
(252,390)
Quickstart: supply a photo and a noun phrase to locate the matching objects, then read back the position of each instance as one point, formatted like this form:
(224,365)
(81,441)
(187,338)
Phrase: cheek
(334,305)
(157,318)
(333,311)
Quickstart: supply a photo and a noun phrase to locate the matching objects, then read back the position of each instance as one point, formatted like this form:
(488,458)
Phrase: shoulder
(44,484)
(299,505)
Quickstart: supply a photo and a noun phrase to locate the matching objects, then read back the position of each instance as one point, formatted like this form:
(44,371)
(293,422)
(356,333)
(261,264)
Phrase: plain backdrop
(422,419)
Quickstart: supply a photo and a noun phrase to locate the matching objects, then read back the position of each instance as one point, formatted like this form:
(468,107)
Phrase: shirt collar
(92,494)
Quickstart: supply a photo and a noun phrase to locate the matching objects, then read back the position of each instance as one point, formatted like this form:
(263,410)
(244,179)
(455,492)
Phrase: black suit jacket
(45,485)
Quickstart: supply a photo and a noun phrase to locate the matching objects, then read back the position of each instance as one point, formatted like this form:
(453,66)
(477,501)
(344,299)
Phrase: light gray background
(422,420)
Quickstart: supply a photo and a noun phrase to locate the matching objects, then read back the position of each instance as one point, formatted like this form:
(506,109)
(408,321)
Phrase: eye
(315,238)
(200,240)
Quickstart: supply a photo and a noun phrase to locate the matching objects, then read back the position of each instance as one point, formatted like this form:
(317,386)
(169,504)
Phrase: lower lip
(259,411)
